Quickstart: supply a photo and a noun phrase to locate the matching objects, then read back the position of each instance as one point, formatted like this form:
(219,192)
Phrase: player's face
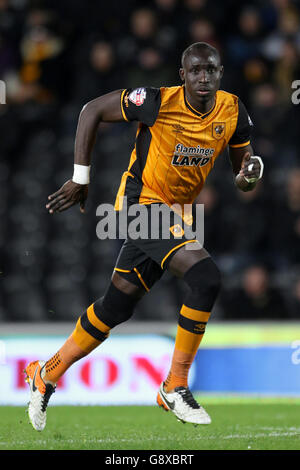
(202,74)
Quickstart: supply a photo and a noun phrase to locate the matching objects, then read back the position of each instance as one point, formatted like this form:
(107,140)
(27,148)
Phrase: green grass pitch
(237,424)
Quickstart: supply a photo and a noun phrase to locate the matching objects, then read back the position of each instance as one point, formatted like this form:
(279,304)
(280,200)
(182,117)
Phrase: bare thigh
(184,259)
(127,287)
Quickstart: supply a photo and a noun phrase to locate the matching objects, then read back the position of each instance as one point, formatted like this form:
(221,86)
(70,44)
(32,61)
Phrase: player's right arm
(106,108)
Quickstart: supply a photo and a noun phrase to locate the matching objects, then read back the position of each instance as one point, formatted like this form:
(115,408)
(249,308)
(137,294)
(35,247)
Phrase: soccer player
(181,132)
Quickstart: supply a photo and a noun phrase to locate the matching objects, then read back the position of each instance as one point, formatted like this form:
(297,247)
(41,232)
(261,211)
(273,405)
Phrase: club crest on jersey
(177,231)
(138,96)
(218,130)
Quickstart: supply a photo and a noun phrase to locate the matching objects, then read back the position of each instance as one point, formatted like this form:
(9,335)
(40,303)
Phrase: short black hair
(198,47)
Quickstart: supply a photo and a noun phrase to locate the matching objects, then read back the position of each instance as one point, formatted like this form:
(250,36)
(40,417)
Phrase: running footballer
(181,132)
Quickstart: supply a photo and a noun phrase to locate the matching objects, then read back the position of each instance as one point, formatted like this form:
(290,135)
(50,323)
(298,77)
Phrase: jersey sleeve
(242,133)
(141,104)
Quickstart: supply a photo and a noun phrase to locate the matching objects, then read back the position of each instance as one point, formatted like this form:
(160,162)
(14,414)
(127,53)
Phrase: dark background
(57,55)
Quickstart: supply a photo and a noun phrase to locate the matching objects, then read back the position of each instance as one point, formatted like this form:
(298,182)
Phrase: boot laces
(49,391)
(187,397)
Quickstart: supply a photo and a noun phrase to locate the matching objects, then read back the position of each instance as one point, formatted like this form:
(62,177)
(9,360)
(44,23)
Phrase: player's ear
(221,71)
(181,74)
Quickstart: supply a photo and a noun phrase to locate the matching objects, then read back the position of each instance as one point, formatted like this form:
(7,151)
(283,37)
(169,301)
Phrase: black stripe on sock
(196,327)
(91,330)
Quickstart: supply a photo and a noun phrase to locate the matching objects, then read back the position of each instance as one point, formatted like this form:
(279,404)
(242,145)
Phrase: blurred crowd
(57,55)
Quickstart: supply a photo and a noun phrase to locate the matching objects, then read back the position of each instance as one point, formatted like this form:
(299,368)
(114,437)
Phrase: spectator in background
(286,70)
(168,13)
(230,234)
(148,55)
(255,299)
(294,300)
(270,118)
(98,75)
(10,31)
(41,76)
(8,58)
(284,228)
(243,52)
(215,239)
(10,22)
(151,70)
(271,11)
(142,34)
(245,44)
(215,11)
(288,28)
(246,239)
(203,30)
(143,25)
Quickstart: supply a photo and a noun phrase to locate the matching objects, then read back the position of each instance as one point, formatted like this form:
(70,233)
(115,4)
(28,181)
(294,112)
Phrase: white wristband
(81,174)
(253,180)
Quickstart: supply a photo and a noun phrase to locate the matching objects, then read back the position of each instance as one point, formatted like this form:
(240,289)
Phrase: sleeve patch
(137,108)
(138,96)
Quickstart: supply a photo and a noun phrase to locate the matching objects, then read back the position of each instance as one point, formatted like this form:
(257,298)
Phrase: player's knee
(115,306)
(127,287)
(204,281)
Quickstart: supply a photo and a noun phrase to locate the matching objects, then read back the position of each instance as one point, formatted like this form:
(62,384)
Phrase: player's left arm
(247,168)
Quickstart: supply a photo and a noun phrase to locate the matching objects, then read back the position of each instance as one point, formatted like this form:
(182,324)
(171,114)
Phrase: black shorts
(142,261)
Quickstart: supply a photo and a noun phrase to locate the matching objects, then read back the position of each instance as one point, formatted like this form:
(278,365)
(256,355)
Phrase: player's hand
(68,195)
(251,168)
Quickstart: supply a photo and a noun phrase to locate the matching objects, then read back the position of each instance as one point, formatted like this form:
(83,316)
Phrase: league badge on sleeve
(138,96)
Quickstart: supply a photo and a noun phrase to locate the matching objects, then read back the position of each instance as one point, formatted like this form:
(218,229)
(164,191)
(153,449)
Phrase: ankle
(45,378)
(174,381)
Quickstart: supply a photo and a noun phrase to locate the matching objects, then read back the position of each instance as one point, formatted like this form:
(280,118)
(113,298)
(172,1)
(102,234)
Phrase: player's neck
(200,105)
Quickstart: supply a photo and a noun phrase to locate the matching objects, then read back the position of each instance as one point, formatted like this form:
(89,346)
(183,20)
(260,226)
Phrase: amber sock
(173,381)
(190,331)
(89,333)
(54,369)
(57,365)
(178,374)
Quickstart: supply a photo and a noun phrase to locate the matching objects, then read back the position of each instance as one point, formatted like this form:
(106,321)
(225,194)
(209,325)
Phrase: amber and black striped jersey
(176,146)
